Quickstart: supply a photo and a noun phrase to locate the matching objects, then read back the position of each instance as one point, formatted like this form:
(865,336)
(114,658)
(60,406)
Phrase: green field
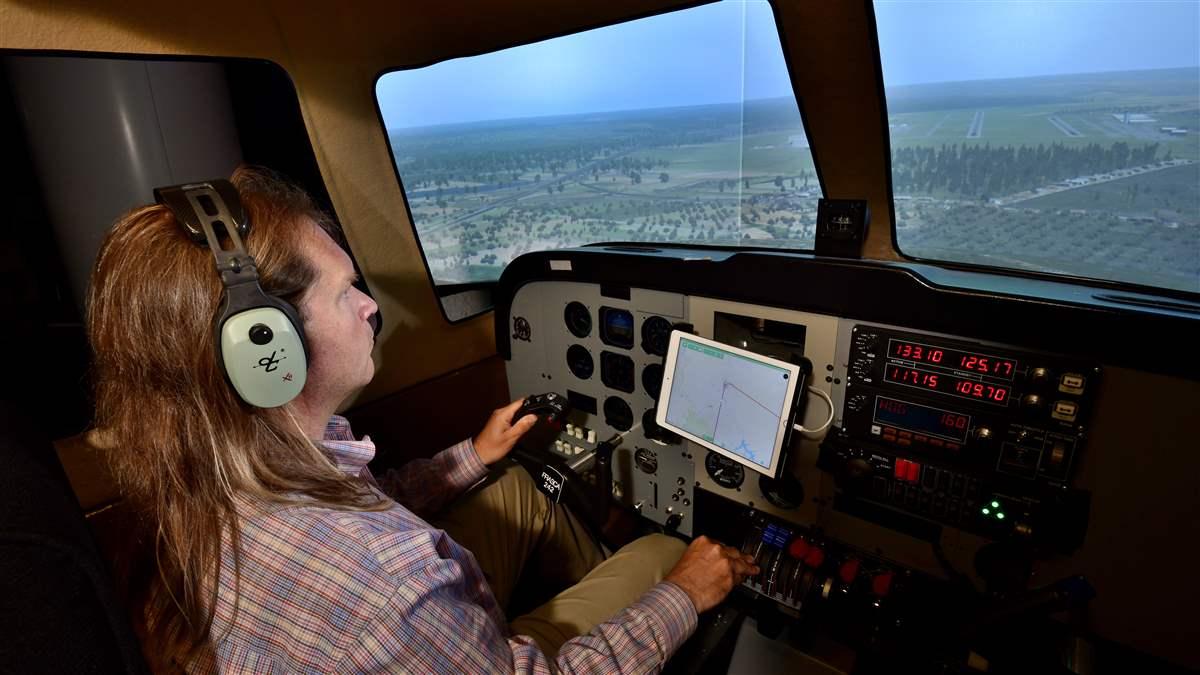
(1071,174)
(1165,195)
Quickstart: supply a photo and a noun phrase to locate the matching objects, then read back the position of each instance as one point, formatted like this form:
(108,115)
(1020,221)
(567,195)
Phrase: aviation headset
(259,338)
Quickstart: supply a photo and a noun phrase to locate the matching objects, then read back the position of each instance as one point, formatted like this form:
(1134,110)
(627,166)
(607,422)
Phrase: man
(266,543)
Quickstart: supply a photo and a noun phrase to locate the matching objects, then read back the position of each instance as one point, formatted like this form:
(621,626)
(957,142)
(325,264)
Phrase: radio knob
(1031,400)
(858,468)
(1039,375)
(881,585)
(983,433)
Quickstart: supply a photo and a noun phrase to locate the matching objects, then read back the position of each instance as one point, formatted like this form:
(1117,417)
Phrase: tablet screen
(732,401)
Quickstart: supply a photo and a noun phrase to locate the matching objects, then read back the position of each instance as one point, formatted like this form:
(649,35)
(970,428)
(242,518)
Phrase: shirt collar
(350,455)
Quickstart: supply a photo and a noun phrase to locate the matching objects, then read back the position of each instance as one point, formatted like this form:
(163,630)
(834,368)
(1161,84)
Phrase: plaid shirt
(336,591)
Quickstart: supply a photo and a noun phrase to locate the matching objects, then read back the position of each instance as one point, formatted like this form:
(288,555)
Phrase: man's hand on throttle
(709,570)
(499,434)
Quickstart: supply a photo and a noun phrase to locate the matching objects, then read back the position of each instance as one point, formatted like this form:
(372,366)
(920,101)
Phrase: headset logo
(270,363)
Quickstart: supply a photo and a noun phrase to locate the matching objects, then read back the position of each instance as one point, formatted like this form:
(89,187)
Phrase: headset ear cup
(263,355)
(261,346)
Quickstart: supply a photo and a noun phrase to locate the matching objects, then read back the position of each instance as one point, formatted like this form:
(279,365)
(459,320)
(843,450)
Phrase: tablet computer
(731,401)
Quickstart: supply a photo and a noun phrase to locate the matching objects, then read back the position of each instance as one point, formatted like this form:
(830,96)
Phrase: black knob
(673,521)
(858,468)
(260,334)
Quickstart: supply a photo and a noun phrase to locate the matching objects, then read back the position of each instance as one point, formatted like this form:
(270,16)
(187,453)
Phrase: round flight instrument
(651,430)
(618,414)
(617,371)
(656,335)
(578,319)
(652,379)
(579,360)
(724,471)
(785,492)
(646,460)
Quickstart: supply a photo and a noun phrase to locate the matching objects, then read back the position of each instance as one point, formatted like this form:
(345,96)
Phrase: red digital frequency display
(954,359)
(997,394)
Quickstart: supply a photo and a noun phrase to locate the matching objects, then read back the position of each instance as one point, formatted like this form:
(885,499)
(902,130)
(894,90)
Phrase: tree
(746,183)
(663,177)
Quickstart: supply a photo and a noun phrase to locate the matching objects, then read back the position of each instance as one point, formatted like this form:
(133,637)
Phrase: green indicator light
(986,511)
(995,505)
(1000,516)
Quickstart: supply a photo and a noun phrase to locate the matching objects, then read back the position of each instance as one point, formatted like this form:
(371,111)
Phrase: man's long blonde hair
(185,449)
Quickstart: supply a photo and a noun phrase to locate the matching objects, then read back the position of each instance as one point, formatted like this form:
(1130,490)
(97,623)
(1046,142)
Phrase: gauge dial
(651,429)
(578,319)
(652,379)
(579,361)
(724,471)
(656,335)
(646,460)
(617,371)
(618,414)
(785,492)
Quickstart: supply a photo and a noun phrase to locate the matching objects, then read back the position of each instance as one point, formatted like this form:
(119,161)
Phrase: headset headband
(203,209)
(260,343)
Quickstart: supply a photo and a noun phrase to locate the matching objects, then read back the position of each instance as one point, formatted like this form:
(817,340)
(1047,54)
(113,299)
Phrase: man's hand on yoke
(499,435)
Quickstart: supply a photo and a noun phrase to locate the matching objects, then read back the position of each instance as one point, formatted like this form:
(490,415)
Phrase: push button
(1071,383)
(1065,411)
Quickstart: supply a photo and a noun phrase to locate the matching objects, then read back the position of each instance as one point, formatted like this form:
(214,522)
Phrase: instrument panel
(930,430)
(944,444)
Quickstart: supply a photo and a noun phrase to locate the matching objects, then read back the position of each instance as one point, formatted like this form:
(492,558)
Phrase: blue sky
(729,51)
(977,40)
(690,57)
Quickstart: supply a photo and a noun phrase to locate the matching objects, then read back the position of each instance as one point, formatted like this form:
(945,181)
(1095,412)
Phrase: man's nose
(373,316)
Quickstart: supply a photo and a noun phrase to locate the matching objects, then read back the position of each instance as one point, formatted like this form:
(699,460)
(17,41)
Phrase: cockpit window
(1061,137)
(680,127)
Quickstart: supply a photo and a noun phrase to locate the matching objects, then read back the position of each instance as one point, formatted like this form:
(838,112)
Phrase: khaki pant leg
(614,585)
(508,524)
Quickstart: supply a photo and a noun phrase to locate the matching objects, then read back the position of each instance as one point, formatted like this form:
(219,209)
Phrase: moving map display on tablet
(732,401)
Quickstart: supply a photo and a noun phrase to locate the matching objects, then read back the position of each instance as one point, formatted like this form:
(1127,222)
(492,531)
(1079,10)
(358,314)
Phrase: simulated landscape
(1092,175)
